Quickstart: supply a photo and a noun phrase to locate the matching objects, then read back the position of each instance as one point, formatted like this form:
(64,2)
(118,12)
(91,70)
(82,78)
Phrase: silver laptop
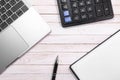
(101,63)
(21,27)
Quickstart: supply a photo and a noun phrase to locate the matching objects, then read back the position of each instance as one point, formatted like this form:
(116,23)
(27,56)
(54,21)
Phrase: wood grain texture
(69,43)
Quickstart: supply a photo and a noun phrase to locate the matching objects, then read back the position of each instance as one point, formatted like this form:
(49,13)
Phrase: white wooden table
(69,43)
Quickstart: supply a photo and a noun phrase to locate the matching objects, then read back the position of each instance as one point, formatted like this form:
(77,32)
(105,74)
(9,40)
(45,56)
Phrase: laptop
(101,63)
(21,27)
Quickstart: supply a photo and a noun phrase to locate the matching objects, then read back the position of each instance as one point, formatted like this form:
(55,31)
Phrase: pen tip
(57,58)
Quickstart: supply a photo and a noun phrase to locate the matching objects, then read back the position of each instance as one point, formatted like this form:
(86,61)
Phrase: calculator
(77,12)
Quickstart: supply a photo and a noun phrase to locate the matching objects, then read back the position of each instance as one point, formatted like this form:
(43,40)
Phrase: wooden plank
(36,77)
(62,48)
(32,69)
(92,28)
(73,39)
(48,58)
(25,77)
(37,69)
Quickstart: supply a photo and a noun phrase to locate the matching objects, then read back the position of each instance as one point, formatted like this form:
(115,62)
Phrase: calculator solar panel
(76,12)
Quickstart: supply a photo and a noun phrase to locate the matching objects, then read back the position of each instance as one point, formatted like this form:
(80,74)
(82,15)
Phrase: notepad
(101,63)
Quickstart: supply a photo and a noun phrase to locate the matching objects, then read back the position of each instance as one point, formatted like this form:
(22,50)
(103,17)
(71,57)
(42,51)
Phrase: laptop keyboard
(76,12)
(10,10)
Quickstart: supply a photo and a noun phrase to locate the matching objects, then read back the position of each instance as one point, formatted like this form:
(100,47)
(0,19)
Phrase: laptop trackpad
(11,46)
(31,27)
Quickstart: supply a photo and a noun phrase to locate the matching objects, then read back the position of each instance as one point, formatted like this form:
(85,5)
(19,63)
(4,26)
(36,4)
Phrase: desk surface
(69,43)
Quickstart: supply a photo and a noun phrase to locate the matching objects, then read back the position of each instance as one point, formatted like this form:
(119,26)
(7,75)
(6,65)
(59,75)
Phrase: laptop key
(17,6)
(7,6)
(0,21)
(3,25)
(24,8)
(2,2)
(9,13)
(2,10)
(19,12)
(14,16)
(7,0)
(9,20)
(4,17)
(12,2)
(17,0)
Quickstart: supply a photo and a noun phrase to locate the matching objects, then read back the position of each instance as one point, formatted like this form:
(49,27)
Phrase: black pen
(55,69)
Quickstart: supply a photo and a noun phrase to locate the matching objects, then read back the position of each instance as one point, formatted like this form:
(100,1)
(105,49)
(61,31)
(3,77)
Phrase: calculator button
(90,8)
(74,4)
(0,21)
(84,17)
(105,0)
(99,10)
(89,2)
(76,18)
(91,15)
(82,10)
(63,1)
(81,3)
(66,13)
(68,19)
(65,7)
(106,9)
(75,11)
(98,1)
(73,0)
